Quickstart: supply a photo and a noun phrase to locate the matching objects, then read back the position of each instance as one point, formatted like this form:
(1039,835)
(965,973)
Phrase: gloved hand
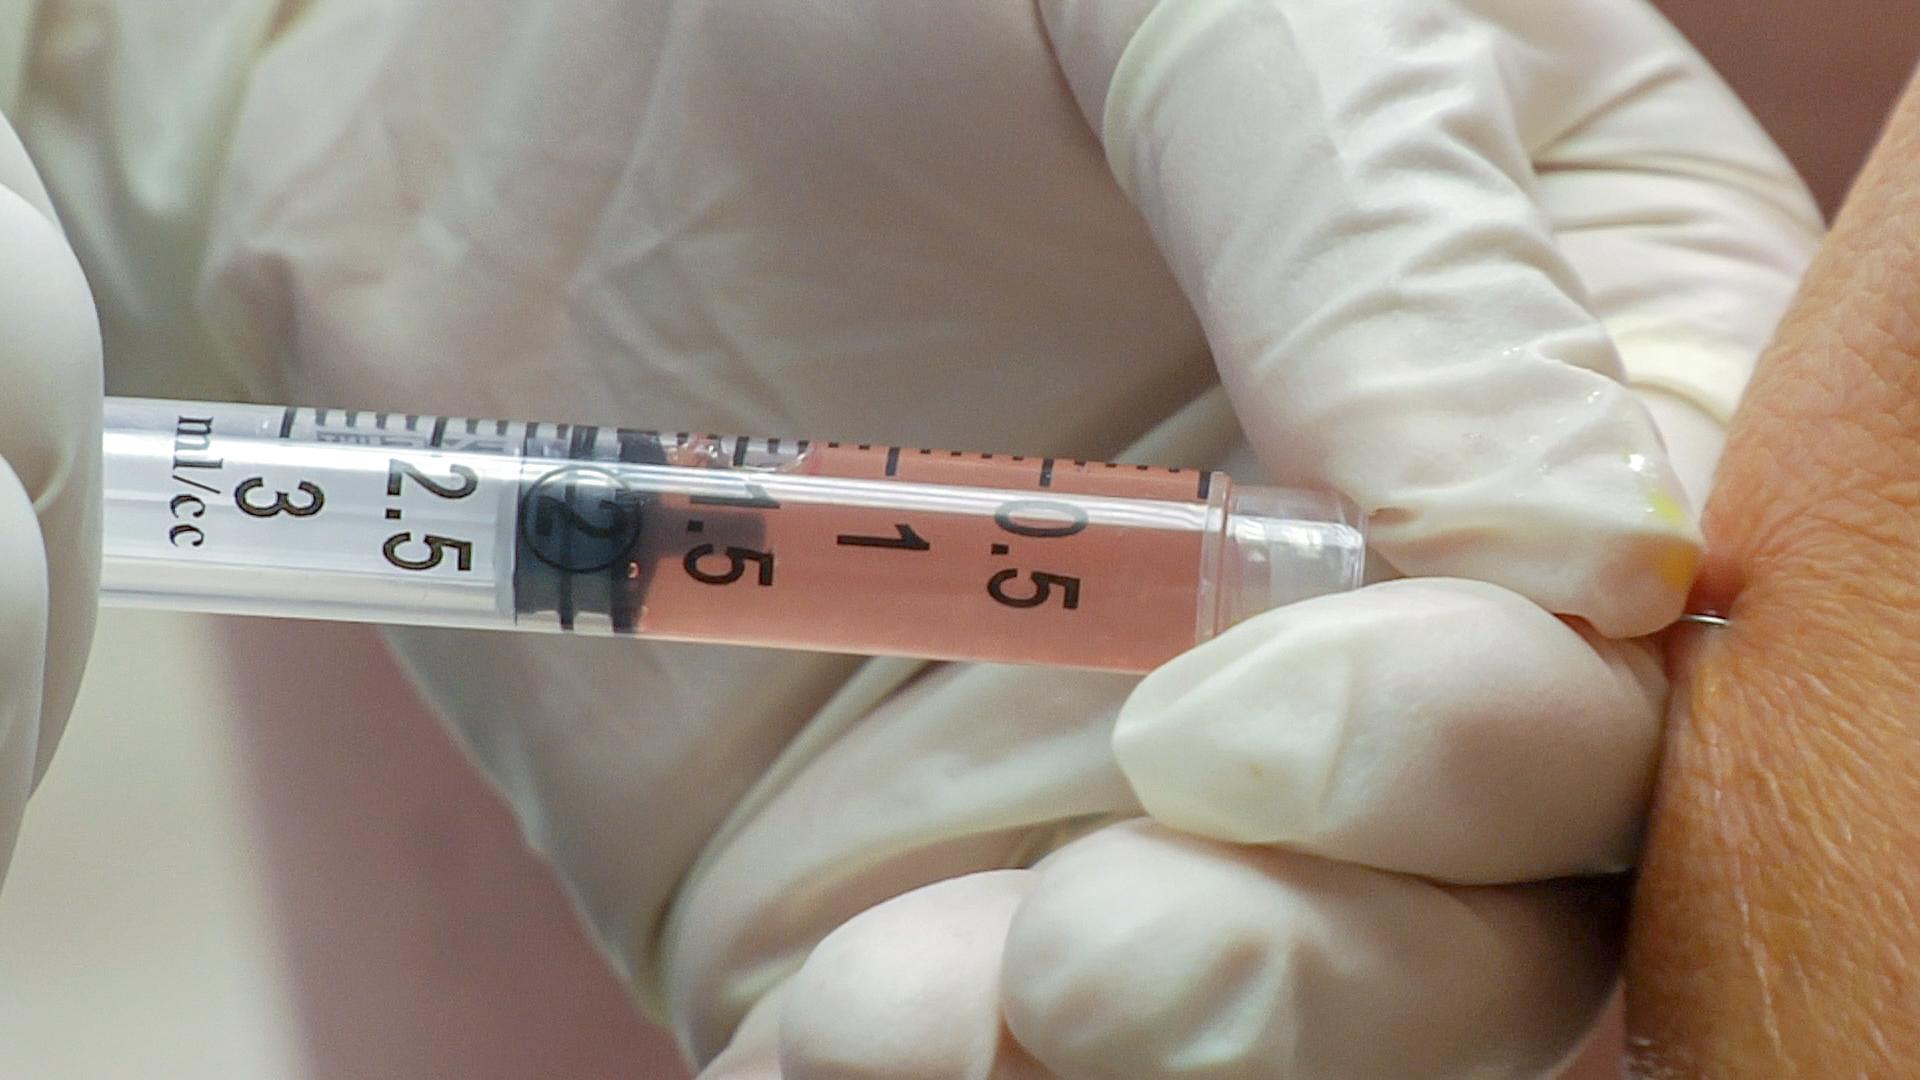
(1420,244)
(49,481)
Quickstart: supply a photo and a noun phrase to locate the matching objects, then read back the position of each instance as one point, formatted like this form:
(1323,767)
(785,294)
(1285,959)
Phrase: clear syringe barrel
(880,550)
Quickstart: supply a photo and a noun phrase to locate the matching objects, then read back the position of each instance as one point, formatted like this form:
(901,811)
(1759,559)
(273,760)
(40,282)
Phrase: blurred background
(249,862)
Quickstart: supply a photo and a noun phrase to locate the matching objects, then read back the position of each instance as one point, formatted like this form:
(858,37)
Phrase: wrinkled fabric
(1455,259)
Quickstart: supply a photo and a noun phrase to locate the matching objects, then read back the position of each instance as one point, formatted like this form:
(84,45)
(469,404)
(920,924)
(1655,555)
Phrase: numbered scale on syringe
(258,510)
(824,545)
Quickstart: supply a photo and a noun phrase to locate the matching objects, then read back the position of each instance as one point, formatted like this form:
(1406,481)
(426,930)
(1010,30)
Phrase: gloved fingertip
(1627,578)
(1142,952)
(907,988)
(753,1052)
(1586,517)
(23,635)
(50,356)
(745,1070)
(1449,728)
(1515,466)
(1643,589)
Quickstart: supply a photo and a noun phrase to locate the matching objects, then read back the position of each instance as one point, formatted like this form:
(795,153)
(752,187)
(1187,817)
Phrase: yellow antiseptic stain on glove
(1677,564)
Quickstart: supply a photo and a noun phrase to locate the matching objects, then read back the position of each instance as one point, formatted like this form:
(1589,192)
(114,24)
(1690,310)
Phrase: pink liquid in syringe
(977,556)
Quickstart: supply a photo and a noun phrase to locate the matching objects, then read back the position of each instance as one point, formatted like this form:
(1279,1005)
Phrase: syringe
(449,521)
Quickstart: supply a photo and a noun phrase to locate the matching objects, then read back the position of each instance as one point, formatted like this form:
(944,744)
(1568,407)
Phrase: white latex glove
(1406,236)
(49,481)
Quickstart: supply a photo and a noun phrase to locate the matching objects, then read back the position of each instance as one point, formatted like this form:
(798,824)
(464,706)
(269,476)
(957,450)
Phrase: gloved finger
(1432,726)
(1141,952)
(910,988)
(1689,247)
(18,176)
(915,776)
(23,633)
(1687,226)
(1346,195)
(50,423)
(754,1051)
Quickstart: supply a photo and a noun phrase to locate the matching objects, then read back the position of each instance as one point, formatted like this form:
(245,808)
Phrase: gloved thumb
(1137,952)
(49,479)
(1432,726)
(1347,194)
(1141,952)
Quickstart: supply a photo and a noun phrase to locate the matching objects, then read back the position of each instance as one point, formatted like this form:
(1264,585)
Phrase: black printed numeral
(464,481)
(736,562)
(1043,586)
(437,548)
(282,501)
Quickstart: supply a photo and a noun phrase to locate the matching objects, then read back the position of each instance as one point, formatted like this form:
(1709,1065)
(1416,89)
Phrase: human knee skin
(1774,931)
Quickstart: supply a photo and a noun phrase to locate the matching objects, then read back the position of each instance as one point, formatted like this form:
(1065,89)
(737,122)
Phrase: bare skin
(1776,927)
